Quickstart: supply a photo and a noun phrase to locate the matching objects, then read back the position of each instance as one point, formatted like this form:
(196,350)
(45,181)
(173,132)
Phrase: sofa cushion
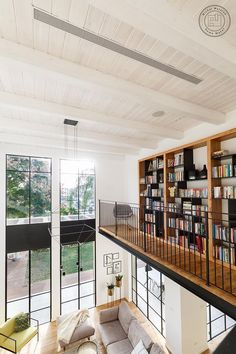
(139,349)
(108,315)
(122,347)
(156,349)
(111,332)
(137,332)
(125,316)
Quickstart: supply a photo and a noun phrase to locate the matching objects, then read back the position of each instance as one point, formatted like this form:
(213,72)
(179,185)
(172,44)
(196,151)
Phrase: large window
(77,190)
(28,243)
(28,190)
(148,293)
(78,276)
(217,322)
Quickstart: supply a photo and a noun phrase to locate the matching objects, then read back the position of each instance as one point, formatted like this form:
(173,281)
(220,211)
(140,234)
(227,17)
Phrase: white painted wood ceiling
(216,92)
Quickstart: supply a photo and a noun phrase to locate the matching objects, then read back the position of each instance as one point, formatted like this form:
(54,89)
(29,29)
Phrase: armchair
(15,341)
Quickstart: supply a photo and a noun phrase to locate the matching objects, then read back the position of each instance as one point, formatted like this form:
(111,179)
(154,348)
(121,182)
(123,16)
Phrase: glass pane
(17,163)
(155,319)
(40,271)
(40,301)
(87,262)
(70,167)
(40,164)
(69,209)
(142,291)
(43,316)
(154,303)
(17,275)
(68,307)
(87,302)
(16,307)
(87,288)
(229,322)
(86,196)
(86,167)
(70,293)
(40,197)
(69,260)
(215,313)
(17,198)
(141,272)
(217,326)
(142,305)
(69,186)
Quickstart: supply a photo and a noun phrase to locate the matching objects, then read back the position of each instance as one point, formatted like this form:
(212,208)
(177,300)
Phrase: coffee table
(88,347)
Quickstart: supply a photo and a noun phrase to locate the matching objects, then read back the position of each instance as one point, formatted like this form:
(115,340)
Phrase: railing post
(116,218)
(99,213)
(145,238)
(207,250)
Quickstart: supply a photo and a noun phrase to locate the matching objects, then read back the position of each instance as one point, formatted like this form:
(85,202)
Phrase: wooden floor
(48,336)
(188,264)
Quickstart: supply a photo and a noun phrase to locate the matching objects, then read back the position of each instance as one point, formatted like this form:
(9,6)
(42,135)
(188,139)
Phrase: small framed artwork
(117,267)
(107,259)
(109,270)
(116,255)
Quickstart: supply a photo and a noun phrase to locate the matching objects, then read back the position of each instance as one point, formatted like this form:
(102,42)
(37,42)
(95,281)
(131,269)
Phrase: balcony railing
(198,242)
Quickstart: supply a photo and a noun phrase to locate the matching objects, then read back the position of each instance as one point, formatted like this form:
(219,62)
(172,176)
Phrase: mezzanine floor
(189,265)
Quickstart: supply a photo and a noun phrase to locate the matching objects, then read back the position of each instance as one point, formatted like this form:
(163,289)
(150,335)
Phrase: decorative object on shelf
(219,153)
(107,259)
(119,278)
(203,173)
(172,191)
(109,270)
(117,267)
(110,289)
(192,174)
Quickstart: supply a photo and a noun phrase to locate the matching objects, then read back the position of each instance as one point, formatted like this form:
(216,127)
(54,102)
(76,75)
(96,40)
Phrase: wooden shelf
(215,205)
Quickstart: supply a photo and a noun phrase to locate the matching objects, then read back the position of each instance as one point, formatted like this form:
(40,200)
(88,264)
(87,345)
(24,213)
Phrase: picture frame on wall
(117,267)
(109,270)
(116,255)
(107,260)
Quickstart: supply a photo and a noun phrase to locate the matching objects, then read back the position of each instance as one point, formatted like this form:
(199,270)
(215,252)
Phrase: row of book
(150,229)
(225,233)
(196,210)
(154,192)
(150,217)
(193,193)
(177,176)
(223,171)
(184,241)
(176,161)
(154,204)
(225,192)
(151,179)
(225,254)
(174,208)
(156,164)
(187,225)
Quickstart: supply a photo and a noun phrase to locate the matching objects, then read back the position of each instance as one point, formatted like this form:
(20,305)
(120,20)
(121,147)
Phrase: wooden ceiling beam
(32,60)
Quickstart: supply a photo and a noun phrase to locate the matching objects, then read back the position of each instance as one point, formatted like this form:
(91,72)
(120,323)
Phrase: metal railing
(197,241)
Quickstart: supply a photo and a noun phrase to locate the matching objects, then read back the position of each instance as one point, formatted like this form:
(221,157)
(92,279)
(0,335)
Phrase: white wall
(109,185)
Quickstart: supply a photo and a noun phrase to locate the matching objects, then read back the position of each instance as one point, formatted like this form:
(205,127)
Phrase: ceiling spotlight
(158,114)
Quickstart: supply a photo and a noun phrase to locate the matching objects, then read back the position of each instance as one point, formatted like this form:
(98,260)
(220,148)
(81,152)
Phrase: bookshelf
(194,182)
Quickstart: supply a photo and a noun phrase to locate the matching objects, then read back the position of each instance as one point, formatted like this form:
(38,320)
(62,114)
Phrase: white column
(2,235)
(55,238)
(186,320)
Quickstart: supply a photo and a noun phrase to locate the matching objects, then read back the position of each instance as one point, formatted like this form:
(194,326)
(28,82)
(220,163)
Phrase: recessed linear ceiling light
(51,20)
(70,122)
(158,114)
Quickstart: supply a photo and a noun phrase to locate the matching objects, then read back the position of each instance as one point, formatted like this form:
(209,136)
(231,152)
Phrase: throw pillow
(139,348)
(21,322)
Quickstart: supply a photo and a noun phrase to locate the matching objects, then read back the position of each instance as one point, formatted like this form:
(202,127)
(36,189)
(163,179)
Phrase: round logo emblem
(214,20)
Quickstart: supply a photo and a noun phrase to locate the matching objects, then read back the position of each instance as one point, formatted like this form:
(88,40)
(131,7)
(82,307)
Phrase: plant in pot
(119,280)
(110,289)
